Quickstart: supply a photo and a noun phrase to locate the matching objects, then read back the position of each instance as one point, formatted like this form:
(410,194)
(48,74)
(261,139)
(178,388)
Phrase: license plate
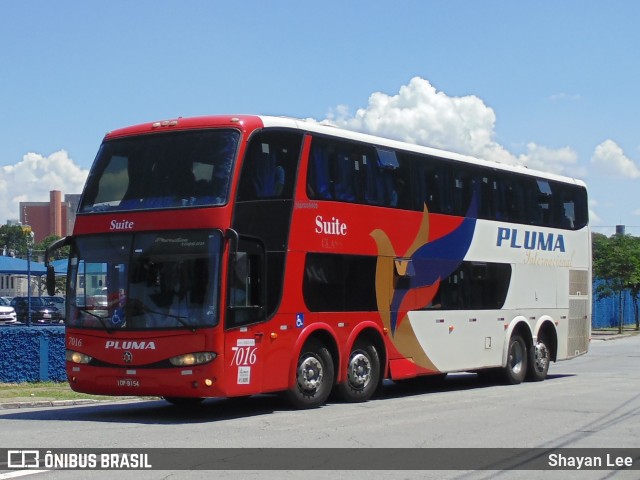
(46,315)
(128,382)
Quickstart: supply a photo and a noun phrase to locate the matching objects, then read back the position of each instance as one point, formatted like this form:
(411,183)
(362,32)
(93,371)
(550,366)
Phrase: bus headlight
(77,357)
(189,359)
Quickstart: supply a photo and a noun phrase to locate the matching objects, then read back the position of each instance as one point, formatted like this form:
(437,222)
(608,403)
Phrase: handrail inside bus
(234,238)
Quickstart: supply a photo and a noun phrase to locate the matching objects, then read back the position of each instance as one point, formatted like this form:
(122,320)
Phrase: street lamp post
(29,250)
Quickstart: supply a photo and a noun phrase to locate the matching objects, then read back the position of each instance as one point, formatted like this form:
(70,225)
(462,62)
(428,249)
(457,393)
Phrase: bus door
(245,329)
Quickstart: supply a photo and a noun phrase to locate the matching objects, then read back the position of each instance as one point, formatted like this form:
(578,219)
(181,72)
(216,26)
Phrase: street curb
(50,403)
(605,336)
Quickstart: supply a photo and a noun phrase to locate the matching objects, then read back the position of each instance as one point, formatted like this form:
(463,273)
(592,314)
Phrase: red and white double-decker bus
(234,255)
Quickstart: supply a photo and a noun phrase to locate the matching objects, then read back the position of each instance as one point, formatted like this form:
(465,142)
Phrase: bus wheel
(363,373)
(516,368)
(314,377)
(184,401)
(539,358)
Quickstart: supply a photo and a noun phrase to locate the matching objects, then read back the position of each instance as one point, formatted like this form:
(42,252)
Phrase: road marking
(20,473)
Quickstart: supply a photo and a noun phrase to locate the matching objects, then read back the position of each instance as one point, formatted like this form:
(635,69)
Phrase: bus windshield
(168,170)
(145,281)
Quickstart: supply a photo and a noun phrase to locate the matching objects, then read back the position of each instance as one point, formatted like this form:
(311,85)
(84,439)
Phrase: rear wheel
(314,376)
(539,358)
(363,373)
(516,368)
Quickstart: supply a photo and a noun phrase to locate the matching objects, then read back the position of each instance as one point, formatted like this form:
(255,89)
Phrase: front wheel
(314,376)
(363,373)
(539,358)
(516,368)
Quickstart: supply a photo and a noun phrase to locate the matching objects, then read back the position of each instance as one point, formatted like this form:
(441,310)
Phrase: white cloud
(32,178)
(420,114)
(559,160)
(610,159)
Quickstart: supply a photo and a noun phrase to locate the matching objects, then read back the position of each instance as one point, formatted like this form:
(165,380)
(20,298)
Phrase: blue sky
(551,84)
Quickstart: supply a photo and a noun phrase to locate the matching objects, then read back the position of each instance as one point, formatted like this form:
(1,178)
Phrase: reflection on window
(270,166)
(168,280)
(354,172)
(179,169)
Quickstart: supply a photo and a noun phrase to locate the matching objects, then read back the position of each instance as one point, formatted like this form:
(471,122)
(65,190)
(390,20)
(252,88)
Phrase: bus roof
(251,122)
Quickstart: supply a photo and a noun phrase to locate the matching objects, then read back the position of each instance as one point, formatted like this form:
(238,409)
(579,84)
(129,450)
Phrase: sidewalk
(612,333)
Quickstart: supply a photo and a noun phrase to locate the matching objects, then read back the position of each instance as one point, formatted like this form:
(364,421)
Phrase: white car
(7,313)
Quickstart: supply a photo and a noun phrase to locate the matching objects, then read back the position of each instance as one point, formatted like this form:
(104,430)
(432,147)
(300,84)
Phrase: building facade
(55,217)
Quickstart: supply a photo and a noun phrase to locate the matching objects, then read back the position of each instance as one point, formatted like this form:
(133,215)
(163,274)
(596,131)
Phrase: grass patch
(43,391)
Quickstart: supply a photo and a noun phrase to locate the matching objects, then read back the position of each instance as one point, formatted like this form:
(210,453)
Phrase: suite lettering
(530,240)
(121,225)
(330,227)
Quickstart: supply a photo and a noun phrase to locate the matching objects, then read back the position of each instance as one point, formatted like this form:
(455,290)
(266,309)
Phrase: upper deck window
(169,170)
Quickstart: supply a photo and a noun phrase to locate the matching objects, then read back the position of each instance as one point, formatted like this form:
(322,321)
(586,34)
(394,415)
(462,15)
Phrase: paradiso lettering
(531,240)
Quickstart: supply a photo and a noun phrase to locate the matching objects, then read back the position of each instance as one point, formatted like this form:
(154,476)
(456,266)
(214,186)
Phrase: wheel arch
(371,332)
(546,328)
(322,333)
(517,326)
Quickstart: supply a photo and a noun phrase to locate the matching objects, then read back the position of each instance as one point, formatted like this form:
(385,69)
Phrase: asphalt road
(589,402)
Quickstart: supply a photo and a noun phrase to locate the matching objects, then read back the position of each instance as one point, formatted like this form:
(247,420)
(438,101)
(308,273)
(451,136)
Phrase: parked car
(7,313)
(42,311)
(57,302)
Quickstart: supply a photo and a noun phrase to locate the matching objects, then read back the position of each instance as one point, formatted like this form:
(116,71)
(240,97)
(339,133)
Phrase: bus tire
(539,359)
(314,377)
(363,373)
(516,368)
(184,402)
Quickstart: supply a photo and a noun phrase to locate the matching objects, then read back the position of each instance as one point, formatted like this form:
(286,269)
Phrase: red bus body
(268,354)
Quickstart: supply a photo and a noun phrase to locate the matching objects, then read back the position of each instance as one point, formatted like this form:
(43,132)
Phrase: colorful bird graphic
(410,281)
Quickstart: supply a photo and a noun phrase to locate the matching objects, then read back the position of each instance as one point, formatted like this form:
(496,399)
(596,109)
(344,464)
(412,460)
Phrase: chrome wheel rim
(359,372)
(541,357)
(310,374)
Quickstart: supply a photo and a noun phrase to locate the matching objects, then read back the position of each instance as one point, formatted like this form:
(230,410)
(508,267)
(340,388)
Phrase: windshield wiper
(180,318)
(100,319)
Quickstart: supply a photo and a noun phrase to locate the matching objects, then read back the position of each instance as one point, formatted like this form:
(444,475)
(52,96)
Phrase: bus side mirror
(51,280)
(51,273)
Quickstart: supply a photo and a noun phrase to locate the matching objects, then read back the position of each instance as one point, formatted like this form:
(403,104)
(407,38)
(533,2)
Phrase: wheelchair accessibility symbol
(299,320)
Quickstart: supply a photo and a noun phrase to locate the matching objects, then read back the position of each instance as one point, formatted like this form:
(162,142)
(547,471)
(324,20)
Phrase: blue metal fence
(32,354)
(606,311)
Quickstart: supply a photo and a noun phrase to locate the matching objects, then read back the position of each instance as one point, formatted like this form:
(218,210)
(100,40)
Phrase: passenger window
(270,166)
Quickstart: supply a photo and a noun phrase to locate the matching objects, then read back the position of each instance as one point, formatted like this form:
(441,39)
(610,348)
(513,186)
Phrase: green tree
(58,254)
(616,261)
(14,239)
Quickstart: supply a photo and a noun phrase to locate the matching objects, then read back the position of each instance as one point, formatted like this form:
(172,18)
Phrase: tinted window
(270,166)
(474,285)
(168,170)
(339,283)
(354,172)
